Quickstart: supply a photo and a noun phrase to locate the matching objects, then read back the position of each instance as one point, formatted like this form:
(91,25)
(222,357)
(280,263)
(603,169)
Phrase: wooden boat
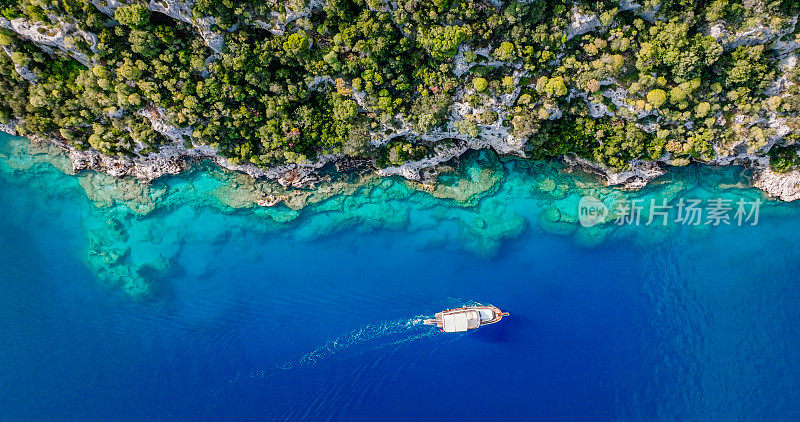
(467,318)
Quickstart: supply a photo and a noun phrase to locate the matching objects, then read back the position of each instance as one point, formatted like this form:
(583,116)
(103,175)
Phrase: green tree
(505,52)
(677,95)
(345,110)
(467,127)
(480,84)
(555,87)
(6,38)
(442,41)
(133,15)
(702,109)
(657,97)
(749,68)
(296,43)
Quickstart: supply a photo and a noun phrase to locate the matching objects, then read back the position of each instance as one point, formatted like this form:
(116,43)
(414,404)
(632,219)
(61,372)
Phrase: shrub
(480,84)
(657,97)
(505,52)
(442,41)
(702,110)
(467,127)
(133,15)
(296,43)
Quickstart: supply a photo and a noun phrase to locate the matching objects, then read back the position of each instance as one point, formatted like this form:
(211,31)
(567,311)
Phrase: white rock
(9,128)
(582,23)
(60,36)
(782,186)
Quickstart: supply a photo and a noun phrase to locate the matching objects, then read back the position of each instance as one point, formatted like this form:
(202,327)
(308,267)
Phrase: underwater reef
(135,230)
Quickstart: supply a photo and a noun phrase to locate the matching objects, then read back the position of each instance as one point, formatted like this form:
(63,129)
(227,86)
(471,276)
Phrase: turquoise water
(181,300)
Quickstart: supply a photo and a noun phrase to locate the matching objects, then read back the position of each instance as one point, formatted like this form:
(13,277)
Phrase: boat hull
(487,314)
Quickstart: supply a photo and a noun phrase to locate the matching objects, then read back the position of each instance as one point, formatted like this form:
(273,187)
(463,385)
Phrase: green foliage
(671,49)
(430,110)
(657,97)
(442,41)
(345,110)
(480,84)
(505,52)
(9,13)
(398,152)
(783,158)
(467,127)
(6,37)
(296,43)
(622,142)
(133,15)
(560,137)
(554,87)
(702,109)
(749,67)
(677,95)
(270,99)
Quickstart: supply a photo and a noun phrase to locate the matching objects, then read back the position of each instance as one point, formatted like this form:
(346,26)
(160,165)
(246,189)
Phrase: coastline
(177,158)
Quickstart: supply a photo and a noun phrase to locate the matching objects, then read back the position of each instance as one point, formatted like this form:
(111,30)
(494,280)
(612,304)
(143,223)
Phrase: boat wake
(369,337)
(374,335)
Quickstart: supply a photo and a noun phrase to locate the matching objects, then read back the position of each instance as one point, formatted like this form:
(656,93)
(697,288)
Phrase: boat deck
(487,314)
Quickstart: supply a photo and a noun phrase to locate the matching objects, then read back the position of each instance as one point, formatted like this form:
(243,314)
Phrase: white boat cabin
(460,321)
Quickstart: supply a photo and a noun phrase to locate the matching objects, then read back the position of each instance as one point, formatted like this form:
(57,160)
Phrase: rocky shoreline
(176,158)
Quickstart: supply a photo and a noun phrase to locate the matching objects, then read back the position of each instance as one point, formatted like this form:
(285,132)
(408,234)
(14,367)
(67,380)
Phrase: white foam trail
(385,334)
(409,327)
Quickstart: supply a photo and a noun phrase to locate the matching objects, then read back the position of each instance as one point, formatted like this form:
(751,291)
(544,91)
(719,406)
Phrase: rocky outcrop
(280,21)
(754,35)
(22,71)
(182,11)
(159,123)
(63,36)
(178,10)
(582,23)
(783,186)
(10,128)
(646,13)
(639,175)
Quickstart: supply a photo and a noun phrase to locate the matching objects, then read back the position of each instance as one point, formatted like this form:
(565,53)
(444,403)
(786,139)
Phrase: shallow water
(184,307)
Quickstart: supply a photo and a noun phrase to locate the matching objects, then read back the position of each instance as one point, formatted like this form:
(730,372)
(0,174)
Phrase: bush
(133,15)
(480,84)
(782,159)
(702,110)
(657,97)
(345,110)
(399,152)
(467,127)
(505,52)
(6,38)
(442,41)
(296,43)
(555,87)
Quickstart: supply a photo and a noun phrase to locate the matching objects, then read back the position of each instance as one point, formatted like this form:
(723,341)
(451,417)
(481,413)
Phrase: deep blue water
(264,326)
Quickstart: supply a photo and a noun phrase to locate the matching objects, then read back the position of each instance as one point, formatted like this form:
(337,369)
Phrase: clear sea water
(319,318)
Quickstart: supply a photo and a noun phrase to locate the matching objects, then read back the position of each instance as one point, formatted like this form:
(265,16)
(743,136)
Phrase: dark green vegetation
(294,81)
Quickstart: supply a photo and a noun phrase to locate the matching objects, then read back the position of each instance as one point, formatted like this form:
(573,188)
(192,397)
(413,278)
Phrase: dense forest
(269,82)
